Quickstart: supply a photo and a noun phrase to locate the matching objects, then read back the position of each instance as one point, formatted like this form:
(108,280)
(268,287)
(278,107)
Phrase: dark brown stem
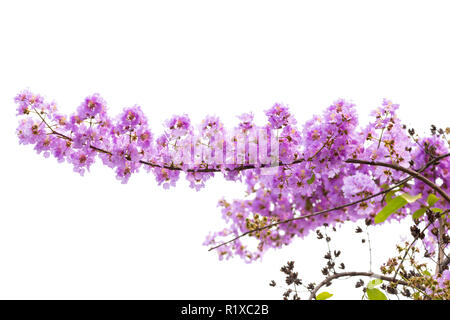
(356,274)
(216,169)
(441,232)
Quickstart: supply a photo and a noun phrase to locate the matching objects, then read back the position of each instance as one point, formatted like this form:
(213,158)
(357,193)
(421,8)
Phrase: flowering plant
(299,179)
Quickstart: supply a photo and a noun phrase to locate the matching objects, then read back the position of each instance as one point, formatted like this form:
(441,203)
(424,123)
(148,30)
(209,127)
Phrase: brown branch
(412,173)
(356,274)
(171,167)
(441,245)
(332,209)
(242,167)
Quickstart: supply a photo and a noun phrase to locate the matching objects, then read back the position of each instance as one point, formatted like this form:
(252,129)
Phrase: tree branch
(335,208)
(171,167)
(441,246)
(356,274)
(412,173)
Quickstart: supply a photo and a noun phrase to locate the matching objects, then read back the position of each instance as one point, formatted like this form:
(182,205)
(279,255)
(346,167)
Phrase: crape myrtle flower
(92,106)
(279,116)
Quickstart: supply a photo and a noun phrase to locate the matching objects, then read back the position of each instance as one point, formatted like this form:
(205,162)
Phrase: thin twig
(370,248)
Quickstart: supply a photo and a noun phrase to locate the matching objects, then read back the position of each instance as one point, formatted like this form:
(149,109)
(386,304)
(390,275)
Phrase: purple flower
(27,101)
(92,106)
(279,116)
(130,119)
(246,121)
(359,184)
(178,126)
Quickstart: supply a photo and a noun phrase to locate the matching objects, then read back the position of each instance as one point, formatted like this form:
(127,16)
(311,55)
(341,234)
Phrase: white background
(65,236)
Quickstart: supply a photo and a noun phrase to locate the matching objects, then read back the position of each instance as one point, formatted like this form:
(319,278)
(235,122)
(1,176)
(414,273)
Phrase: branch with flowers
(299,178)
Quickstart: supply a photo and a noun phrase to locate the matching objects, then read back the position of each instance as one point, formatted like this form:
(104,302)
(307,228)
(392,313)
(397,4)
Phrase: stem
(370,248)
(441,232)
(355,274)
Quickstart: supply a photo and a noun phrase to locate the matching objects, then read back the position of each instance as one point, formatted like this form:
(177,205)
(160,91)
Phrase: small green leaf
(323,296)
(432,199)
(389,196)
(375,282)
(418,213)
(410,198)
(390,208)
(375,294)
(437,210)
(426,272)
(394,205)
(312,179)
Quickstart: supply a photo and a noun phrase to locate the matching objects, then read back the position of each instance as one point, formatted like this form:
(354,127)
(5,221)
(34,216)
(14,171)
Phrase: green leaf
(390,195)
(323,296)
(375,282)
(419,213)
(426,272)
(394,205)
(437,210)
(375,294)
(390,208)
(312,179)
(432,199)
(410,198)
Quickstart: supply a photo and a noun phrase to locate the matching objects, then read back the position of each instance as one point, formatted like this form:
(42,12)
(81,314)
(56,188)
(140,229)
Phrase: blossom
(91,106)
(27,101)
(279,116)
(178,126)
(359,184)
(246,121)
(131,119)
